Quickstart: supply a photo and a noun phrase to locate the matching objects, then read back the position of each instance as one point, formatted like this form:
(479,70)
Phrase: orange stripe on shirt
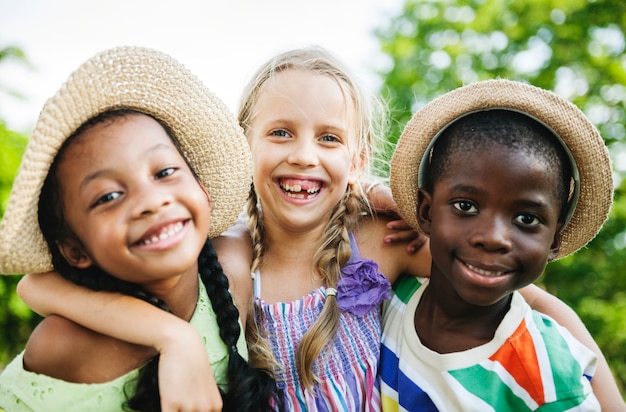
(519,358)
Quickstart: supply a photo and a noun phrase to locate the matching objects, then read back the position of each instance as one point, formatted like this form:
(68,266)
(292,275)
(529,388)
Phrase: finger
(399,224)
(401,236)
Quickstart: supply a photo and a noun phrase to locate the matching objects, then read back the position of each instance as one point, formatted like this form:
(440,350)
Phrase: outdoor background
(410,52)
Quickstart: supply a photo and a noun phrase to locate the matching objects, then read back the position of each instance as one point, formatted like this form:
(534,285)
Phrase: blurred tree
(575,48)
(16,319)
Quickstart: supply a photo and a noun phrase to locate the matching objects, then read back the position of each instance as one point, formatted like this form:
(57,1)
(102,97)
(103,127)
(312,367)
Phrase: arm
(186,381)
(603,383)
(234,251)
(382,203)
(392,258)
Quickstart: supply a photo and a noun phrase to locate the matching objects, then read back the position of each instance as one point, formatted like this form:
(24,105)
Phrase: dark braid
(249,389)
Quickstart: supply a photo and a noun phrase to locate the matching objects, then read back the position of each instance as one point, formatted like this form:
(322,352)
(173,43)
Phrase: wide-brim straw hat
(146,81)
(593,191)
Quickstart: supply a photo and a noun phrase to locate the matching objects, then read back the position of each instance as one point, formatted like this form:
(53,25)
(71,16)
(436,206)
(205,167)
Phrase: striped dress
(347,371)
(531,363)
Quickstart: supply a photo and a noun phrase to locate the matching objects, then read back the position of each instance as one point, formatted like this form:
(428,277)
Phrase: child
(312,136)
(510,177)
(317,288)
(107,194)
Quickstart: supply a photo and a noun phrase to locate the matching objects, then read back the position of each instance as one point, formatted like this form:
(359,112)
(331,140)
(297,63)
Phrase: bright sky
(222,42)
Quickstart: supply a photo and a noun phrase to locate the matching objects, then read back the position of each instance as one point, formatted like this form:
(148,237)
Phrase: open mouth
(163,234)
(300,189)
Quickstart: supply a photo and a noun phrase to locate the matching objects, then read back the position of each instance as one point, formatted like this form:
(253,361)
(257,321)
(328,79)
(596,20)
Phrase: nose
(149,198)
(303,153)
(493,234)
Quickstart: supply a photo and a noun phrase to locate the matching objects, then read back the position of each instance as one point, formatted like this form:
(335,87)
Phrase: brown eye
(107,198)
(527,219)
(168,171)
(465,206)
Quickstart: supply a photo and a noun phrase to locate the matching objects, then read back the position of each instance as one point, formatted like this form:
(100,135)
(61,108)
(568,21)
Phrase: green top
(21,390)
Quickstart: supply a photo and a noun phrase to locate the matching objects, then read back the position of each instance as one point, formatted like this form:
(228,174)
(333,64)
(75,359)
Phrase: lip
(163,235)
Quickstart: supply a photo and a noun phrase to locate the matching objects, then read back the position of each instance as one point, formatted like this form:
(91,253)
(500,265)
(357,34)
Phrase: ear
(555,247)
(424,208)
(74,253)
(356,168)
(208,197)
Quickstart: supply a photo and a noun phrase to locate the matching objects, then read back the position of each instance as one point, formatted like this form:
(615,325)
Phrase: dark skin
(493,226)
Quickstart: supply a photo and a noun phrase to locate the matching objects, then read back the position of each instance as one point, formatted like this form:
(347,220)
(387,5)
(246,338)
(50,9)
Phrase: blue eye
(465,207)
(279,133)
(329,138)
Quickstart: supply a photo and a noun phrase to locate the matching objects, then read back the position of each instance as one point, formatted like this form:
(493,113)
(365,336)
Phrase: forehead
(116,138)
(503,167)
(306,88)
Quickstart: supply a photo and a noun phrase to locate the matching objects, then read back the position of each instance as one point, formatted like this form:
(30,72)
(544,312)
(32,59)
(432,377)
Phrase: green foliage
(16,319)
(574,47)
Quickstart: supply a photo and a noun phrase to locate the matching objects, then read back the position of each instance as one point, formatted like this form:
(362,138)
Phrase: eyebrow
(103,172)
(466,189)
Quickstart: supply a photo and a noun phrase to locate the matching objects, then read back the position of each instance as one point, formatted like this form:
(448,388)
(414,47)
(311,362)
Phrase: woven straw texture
(152,83)
(564,118)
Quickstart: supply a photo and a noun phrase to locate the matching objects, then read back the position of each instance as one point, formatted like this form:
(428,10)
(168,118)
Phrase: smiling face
(132,201)
(302,140)
(493,209)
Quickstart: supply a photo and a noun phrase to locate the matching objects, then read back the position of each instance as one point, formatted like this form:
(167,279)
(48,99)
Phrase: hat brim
(577,133)
(147,81)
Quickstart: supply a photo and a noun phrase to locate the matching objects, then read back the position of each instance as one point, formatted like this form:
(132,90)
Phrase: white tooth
(484,272)
(297,188)
(154,239)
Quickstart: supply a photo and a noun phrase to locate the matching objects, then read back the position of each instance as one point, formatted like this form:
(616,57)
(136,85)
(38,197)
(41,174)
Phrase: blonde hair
(335,249)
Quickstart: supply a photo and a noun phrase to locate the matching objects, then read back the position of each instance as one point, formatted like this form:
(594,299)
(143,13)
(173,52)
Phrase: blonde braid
(259,349)
(256,229)
(332,255)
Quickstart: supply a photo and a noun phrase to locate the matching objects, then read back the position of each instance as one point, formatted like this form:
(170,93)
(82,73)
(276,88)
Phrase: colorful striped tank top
(347,371)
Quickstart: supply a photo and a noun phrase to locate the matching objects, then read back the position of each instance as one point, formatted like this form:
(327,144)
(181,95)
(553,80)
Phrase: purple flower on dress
(361,287)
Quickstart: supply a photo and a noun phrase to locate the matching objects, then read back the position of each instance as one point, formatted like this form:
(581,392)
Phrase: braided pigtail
(249,389)
(332,255)
(259,349)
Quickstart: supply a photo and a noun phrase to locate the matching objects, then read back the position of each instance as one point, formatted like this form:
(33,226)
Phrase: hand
(186,381)
(382,202)
(404,233)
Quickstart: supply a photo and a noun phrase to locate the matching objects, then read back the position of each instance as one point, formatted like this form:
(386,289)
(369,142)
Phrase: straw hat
(593,192)
(147,81)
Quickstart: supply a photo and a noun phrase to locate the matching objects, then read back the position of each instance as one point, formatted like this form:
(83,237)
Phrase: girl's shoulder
(65,350)
(392,258)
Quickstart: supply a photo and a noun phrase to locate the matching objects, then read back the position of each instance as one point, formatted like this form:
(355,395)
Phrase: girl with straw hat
(132,166)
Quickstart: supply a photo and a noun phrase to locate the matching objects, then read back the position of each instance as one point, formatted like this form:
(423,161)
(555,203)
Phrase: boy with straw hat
(503,177)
